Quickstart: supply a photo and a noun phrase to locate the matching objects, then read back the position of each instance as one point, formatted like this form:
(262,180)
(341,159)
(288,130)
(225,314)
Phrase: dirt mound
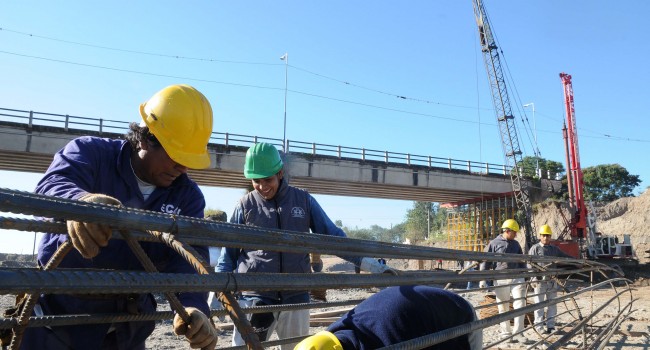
(630,215)
(626,216)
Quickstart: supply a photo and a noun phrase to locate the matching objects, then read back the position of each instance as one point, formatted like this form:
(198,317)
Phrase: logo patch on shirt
(169,209)
(298,212)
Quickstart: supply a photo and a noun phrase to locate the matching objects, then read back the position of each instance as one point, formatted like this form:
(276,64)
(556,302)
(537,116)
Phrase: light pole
(532,105)
(285,58)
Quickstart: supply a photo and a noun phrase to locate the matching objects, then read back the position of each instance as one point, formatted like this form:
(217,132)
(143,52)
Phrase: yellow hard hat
(511,224)
(320,341)
(545,230)
(181,119)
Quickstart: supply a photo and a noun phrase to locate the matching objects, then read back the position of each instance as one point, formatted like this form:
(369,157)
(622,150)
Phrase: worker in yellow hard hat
(545,287)
(146,170)
(274,204)
(398,314)
(505,243)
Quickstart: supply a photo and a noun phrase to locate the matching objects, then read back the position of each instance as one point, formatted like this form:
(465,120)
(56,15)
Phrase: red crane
(582,227)
(575,182)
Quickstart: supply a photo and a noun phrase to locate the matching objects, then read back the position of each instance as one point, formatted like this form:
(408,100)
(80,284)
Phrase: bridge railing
(395,157)
(101,125)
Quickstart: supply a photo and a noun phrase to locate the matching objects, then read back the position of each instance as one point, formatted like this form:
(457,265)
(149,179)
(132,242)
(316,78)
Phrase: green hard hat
(262,160)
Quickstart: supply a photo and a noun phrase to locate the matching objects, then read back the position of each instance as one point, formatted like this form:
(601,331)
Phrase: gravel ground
(633,334)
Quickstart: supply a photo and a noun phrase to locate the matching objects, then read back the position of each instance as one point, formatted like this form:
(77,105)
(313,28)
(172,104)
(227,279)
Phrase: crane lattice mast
(505,118)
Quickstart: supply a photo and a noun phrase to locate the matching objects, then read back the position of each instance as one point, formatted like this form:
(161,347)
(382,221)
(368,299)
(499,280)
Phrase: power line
(135,51)
(241,85)
(383,92)
(140,72)
(398,96)
(235,62)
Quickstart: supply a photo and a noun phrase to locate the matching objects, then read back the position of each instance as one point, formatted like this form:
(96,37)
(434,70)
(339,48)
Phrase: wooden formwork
(471,226)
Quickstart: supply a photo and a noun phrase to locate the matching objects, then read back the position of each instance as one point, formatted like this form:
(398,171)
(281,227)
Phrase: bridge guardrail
(66,121)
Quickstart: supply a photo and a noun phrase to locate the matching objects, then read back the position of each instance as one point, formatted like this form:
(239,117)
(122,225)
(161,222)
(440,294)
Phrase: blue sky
(348,63)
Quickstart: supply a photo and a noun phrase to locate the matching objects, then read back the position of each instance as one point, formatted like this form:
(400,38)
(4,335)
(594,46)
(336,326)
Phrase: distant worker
(505,243)
(147,170)
(546,288)
(277,205)
(398,314)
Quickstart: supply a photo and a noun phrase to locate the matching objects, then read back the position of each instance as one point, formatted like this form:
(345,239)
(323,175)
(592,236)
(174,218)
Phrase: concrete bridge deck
(29,140)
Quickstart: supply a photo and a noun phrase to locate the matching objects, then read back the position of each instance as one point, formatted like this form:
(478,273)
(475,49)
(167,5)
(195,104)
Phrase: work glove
(315,262)
(373,266)
(483,284)
(200,332)
(87,237)
(317,267)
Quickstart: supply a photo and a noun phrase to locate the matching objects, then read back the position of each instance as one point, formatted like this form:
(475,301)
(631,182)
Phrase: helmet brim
(189,160)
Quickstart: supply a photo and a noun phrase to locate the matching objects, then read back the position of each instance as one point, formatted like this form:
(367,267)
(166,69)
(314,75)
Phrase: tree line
(426,220)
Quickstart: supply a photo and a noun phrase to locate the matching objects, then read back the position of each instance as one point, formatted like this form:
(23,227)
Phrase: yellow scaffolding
(471,226)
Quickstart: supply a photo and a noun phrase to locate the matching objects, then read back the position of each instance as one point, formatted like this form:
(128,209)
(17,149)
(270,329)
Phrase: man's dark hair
(139,134)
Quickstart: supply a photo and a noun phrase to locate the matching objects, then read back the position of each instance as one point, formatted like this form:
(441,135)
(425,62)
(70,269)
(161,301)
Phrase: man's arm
(561,254)
(72,172)
(321,224)
(532,251)
(487,265)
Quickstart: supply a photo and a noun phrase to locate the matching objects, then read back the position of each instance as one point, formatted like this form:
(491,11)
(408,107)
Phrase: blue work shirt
(99,165)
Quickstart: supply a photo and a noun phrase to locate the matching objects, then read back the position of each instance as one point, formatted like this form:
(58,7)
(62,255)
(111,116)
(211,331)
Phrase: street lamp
(285,58)
(532,105)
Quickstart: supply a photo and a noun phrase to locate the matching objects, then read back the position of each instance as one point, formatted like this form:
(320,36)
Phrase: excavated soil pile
(630,215)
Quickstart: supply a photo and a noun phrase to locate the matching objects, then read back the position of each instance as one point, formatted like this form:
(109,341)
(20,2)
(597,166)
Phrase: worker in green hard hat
(276,205)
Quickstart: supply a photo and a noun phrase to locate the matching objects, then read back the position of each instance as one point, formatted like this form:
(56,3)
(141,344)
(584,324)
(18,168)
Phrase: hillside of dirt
(630,215)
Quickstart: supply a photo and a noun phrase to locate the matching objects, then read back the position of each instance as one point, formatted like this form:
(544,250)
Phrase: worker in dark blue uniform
(148,171)
(398,314)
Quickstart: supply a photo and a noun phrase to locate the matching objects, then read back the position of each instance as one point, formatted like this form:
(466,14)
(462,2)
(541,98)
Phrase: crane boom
(505,118)
(574,171)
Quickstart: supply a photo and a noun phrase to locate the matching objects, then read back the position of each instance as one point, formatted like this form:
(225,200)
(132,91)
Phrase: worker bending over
(398,314)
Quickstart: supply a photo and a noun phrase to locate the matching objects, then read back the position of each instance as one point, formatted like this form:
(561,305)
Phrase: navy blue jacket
(398,314)
(96,165)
